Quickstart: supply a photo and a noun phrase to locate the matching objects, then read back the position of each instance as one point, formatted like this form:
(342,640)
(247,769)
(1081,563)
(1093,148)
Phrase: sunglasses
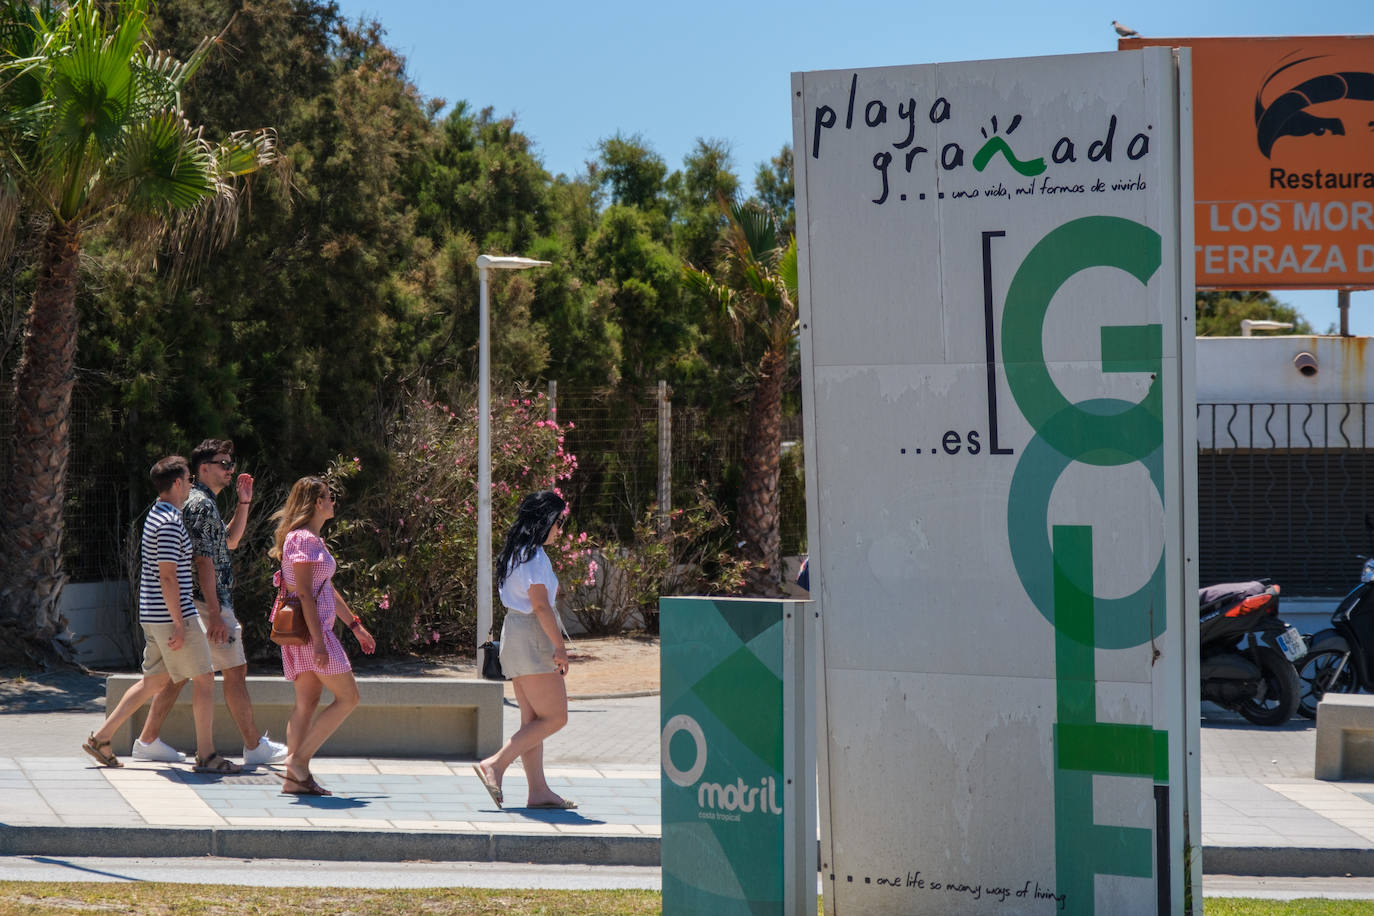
(227,463)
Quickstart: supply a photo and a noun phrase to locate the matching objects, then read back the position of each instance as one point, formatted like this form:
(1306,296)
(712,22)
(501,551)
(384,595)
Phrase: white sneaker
(267,751)
(158,750)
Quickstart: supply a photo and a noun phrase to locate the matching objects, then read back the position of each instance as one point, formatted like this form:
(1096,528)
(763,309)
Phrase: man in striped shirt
(176,646)
(213,464)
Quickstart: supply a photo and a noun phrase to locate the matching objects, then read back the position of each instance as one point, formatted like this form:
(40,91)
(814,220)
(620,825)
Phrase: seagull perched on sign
(1123,31)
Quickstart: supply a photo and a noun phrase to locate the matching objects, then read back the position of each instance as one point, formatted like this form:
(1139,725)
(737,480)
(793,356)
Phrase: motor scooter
(1340,659)
(1247,651)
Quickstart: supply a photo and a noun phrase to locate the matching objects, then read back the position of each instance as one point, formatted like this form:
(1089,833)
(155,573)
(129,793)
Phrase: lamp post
(484,263)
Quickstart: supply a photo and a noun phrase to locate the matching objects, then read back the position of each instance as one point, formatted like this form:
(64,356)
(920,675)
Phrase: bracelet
(355,624)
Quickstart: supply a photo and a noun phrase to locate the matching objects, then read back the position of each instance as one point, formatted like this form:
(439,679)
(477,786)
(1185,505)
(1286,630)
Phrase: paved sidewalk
(1262,812)
(606,759)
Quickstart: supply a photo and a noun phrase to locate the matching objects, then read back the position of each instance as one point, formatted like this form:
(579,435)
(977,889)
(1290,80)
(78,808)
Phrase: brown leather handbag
(288,617)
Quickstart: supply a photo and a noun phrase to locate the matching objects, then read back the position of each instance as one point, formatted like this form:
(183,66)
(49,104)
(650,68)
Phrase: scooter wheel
(1281,691)
(1317,677)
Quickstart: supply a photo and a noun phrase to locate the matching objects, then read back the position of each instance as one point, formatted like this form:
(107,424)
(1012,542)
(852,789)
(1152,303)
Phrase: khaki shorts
(525,647)
(229,654)
(191,660)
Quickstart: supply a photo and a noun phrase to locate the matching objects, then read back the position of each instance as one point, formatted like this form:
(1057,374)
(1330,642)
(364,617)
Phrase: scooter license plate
(1291,642)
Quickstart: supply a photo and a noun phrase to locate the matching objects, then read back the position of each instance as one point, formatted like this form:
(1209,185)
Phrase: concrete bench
(427,717)
(1345,737)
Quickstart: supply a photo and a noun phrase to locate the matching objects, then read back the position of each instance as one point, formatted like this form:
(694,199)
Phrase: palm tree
(92,134)
(755,283)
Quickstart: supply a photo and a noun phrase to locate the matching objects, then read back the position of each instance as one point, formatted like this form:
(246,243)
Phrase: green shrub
(687,556)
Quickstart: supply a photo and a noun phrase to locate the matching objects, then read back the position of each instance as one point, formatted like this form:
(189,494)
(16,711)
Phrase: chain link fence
(614,436)
(99,502)
(621,454)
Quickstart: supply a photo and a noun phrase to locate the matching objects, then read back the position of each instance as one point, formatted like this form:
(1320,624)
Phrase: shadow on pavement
(52,691)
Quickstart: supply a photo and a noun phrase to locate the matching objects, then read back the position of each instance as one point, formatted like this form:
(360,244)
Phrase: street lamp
(484,263)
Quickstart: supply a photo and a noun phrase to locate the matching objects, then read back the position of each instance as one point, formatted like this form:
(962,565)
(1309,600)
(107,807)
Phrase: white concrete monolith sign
(997,334)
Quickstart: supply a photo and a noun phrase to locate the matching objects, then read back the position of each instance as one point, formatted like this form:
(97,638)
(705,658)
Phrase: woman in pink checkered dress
(307,569)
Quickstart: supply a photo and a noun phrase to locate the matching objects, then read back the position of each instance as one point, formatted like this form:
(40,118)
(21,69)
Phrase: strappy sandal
(106,757)
(218,764)
(308,786)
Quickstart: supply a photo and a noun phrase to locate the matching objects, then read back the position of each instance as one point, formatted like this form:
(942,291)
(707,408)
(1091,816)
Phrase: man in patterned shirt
(211,541)
(176,647)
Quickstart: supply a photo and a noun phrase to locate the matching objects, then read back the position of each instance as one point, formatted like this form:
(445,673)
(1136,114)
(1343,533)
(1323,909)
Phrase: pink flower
(433,635)
(385,603)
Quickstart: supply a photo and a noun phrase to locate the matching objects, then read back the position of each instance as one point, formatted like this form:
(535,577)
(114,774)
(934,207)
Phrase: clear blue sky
(573,74)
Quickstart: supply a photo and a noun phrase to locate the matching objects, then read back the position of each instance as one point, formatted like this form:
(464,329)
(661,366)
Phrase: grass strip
(154,899)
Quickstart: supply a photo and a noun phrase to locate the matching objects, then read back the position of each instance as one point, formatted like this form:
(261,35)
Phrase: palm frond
(91,81)
(756,229)
(154,89)
(787,268)
(163,164)
(247,151)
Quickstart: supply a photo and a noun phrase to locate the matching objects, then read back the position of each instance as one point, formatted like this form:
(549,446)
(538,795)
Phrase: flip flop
(106,758)
(492,788)
(216,763)
(566,804)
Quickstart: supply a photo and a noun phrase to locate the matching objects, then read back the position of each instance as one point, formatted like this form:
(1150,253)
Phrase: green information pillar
(738,758)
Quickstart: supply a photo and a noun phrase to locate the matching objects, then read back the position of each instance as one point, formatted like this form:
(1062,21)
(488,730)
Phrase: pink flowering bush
(408,547)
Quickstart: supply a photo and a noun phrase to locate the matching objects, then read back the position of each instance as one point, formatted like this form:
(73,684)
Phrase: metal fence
(621,455)
(615,438)
(1284,492)
(97,505)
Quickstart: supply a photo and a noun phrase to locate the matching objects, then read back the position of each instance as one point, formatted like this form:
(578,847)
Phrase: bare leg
(346,698)
(532,761)
(548,700)
(309,688)
(240,704)
(136,696)
(203,710)
(158,712)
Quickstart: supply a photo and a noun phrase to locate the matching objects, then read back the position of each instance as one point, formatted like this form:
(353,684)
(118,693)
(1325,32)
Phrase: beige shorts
(525,647)
(191,660)
(228,654)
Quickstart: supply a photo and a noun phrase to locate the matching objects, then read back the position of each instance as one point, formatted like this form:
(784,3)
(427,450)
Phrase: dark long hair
(533,520)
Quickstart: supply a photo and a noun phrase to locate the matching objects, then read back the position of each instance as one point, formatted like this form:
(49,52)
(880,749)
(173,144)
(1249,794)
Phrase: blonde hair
(298,511)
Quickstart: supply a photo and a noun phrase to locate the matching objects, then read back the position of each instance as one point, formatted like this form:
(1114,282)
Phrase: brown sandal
(308,786)
(106,757)
(218,764)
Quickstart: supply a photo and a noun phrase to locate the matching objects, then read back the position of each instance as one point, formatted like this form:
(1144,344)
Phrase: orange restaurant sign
(1283,160)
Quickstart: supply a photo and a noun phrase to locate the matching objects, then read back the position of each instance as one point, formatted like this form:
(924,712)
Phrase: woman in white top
(533,654)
